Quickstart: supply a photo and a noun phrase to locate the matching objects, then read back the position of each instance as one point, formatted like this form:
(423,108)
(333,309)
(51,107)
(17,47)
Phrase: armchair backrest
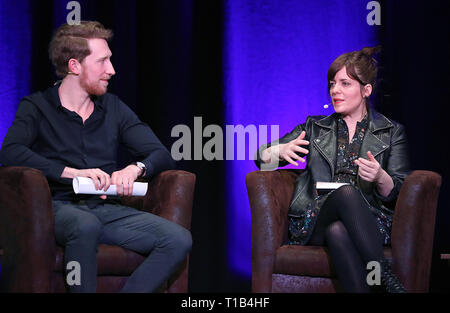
(33,238)
(270,194)
(413,229)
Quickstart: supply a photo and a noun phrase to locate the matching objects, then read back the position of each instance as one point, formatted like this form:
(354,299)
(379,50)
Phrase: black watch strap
(142,167)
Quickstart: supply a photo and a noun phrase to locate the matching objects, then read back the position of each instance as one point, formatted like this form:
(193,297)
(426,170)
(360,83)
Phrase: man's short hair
(71,42)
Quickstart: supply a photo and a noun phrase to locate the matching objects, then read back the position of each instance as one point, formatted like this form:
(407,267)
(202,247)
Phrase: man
(74,129)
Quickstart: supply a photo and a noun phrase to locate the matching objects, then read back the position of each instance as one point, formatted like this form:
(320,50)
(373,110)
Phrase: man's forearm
(16,154)
(69,172)
(157,162)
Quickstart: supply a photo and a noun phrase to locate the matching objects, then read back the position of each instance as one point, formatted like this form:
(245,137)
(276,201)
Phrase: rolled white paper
(85,185)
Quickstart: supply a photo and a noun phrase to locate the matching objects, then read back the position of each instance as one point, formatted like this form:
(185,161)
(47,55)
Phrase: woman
(357,146)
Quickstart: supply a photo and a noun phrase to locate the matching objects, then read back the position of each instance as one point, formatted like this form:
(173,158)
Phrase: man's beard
(94,89)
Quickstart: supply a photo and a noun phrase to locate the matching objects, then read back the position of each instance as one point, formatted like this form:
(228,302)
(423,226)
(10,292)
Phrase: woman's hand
(287,151)
(371,171)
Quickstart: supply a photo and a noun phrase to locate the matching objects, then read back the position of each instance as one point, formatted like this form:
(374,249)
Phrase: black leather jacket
(385,138)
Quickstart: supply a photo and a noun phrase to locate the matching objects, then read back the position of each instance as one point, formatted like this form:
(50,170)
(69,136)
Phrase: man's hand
(124,180)
(101,179)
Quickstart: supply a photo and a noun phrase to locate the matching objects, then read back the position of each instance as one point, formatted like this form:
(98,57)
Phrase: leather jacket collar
(326,141)
(376,121)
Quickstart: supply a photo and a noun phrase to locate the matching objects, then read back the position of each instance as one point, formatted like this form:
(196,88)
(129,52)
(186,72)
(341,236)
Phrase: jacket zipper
(328,161)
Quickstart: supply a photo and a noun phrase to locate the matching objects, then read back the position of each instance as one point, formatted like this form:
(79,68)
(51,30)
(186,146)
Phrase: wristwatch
(142,167)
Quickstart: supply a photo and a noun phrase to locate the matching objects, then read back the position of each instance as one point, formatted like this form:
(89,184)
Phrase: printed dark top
(347,153)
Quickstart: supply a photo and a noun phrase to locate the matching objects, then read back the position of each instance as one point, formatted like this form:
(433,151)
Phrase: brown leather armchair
(32,262)
(290,268)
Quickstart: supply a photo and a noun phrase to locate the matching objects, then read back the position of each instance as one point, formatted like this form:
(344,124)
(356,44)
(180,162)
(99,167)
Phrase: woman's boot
(389,280)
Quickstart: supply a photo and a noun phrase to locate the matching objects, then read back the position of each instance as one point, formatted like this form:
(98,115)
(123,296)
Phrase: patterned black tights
(347,226)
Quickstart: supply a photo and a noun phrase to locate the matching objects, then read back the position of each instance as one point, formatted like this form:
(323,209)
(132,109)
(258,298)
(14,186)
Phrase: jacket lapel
(326,141)
(371,142)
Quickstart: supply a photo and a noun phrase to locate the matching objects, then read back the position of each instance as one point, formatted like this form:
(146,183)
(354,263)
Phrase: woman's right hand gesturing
(286,151)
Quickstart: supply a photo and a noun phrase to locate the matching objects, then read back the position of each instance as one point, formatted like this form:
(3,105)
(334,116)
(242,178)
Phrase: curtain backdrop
(277,56)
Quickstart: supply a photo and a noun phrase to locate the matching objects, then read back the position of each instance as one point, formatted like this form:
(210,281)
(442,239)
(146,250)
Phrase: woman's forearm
(385,184)
(266,155)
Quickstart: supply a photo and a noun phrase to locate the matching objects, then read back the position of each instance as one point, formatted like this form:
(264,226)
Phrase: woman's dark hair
(360,65)
(71,41)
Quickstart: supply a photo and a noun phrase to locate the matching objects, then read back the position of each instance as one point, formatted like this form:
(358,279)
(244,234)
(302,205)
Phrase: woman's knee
(347,191)
(346,198)
(336,230)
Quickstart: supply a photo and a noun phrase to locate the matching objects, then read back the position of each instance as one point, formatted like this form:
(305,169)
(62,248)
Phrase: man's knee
(86,228)
(181,240)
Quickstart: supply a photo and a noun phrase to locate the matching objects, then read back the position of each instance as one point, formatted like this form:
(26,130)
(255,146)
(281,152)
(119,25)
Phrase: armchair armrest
(413,229)
(269,194)
(170,195)
(26,230)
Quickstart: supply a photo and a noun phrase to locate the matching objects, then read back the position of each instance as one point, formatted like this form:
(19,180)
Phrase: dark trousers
(346,224)
(80,229)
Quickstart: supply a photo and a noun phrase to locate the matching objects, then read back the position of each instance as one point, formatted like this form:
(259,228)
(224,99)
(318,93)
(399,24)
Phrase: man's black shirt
(48,137)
